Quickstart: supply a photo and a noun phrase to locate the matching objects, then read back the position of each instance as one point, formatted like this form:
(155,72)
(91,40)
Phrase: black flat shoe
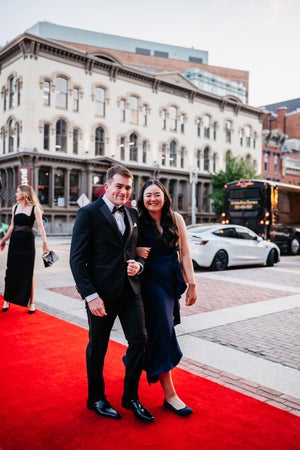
(138,410)
(103,408)
(184,412)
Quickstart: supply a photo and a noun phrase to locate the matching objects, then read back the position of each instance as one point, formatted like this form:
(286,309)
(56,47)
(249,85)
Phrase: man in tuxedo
(105,269)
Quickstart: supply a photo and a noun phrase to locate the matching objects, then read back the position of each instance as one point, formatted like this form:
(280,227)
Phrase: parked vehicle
(271,209)
(220,246)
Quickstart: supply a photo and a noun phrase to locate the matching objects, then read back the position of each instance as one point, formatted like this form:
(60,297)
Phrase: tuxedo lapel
(111,220)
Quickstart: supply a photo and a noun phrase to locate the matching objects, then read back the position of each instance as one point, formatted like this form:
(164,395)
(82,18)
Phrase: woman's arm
(40,225)
(191,294)
(9,231)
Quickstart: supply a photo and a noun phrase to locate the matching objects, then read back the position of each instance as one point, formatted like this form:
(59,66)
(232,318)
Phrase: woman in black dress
(19,284)
(162,284)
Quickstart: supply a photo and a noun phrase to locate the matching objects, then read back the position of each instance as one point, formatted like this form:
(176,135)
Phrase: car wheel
(294,245)
(220,261)
(271,258)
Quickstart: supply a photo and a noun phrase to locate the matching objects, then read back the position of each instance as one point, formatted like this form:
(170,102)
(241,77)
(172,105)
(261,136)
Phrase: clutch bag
(49,258)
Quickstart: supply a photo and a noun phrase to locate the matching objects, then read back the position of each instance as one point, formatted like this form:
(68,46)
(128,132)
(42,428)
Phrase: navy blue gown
(162,286)
(20,260)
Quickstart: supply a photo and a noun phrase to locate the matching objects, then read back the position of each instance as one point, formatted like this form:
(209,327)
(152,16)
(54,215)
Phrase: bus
(270,209)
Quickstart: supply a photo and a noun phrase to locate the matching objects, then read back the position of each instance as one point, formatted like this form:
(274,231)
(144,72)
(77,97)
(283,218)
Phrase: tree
(236,169)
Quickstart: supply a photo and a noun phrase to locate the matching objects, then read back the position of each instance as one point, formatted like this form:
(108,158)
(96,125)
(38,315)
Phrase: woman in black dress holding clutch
(19,283)
(162,284)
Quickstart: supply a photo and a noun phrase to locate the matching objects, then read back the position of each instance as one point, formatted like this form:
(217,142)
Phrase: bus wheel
(295,245)
(271,258)
(220,261)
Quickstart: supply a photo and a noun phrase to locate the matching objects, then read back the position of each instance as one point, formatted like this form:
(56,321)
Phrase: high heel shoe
(31,309)
(5,307)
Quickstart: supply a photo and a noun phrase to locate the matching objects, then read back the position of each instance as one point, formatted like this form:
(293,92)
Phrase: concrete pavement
(244,331)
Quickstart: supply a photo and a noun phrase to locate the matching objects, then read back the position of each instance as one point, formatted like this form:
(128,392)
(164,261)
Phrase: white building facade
(66,116)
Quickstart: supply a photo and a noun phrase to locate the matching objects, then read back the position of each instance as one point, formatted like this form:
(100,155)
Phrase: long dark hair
(167,220)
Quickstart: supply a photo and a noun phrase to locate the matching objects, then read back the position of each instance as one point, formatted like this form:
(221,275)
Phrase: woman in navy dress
(19,285)
(162,286)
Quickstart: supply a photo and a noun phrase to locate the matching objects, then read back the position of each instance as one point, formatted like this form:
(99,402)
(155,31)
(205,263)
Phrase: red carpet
(43,397)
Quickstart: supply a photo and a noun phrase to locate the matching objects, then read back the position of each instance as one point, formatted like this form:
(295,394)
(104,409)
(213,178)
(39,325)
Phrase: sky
(258,36)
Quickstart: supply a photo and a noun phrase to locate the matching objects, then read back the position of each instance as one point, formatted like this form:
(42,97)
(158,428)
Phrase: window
(163,154)
(46,93)
(100,101)
(133,147)
(99,142)
(173,118)
(74,187)
(46,144)
(173,154)
(75,99)
(11,92)
(182,150)
(75,141)
(206,124)
(228,131)
(182,120)
(134,108)
(144,148)
(198,124)
(61,136)
(161,54)
(59,187)
(3,140)
(206,159)
(198,159)
(248,136)
(122,148)
(215,127)
(241,137)
(276,163)
(17,127)
(214,162)
(11,133)
(4,98)
(164,119)
(145,115)
(266,161)
(43,189)
(61,93)
(18,92)
(123,110)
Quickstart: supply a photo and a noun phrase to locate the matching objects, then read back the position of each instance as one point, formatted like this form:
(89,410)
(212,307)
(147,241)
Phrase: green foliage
(236,169)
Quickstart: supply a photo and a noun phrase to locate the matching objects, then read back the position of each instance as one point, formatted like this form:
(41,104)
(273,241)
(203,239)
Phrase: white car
(221,246)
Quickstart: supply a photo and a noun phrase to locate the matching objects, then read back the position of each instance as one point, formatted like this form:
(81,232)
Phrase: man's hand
(133,267)
(97,307)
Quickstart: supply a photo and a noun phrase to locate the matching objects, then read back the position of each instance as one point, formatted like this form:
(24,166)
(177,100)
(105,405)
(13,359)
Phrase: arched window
(206,159)
(133,147)
(198,159)
(207,125)
(75,141)
(228,127)
(61,92)
(61,136)
(100,101)
(46,136)
(99,142)
(134,108)
(173,118)
(11,92)
(173,154)
(46,93)
(122,148)
(11,133)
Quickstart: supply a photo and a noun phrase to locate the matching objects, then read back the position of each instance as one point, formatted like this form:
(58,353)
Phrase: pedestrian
(104,266)
(161,232)
(19,282)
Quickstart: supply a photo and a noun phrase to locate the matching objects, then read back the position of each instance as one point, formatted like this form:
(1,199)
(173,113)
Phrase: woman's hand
(2,245)
(191,294)
(46,249)
(143,252)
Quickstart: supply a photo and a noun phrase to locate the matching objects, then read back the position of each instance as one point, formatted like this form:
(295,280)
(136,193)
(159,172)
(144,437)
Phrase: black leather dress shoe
(138,410)
(184,412)
(103,408)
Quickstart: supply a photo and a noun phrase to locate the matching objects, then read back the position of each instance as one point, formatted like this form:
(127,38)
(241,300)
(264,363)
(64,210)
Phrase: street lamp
(193,180)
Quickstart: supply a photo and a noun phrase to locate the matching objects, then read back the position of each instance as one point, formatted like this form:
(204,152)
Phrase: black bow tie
(116,208)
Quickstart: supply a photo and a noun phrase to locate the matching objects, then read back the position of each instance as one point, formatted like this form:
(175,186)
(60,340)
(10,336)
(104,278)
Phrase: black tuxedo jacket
(99,251)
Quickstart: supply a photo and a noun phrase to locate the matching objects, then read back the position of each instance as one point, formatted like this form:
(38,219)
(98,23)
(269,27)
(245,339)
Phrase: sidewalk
(243,333)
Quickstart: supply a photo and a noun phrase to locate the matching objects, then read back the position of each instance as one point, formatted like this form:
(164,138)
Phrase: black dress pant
(129,308)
